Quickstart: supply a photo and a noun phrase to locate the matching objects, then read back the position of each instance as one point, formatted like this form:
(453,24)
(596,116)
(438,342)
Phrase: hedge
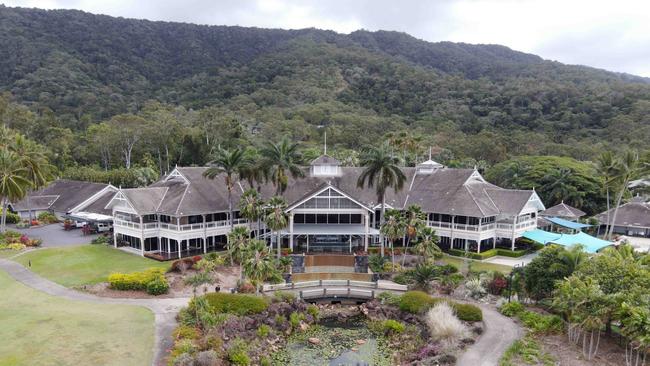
(512,254)
(235,303)
(151,280)
(488,253)
(417,302)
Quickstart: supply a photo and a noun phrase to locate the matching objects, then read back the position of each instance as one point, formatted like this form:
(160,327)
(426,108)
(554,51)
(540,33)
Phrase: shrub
(475,288)
(376,262)
(416,302)
(182,346)
(468,312)
(186,332)
(295,319)
(246,288)
(511,309)
(182,265)
(235,303)
(11,218)
(158,286)
(448,269)
(313,311)
(283,296)
(238,353)
(265,361)
(443,324)
(139,281)
(391,326)
(389,298)
(497,285)
(512,253)
(263,331)
(102,239)
(16,246)
(207,358)
(450,282)
(390,267)
(541,324)
(478,256)
(47,218)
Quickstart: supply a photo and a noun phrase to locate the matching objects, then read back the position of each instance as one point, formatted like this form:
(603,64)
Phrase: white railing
(380,285)
(463,227)
(174,227)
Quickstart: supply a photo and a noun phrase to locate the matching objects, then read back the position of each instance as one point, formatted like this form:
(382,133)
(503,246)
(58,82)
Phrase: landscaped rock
(314,341)
(304,326)
(361,341)
(354,349)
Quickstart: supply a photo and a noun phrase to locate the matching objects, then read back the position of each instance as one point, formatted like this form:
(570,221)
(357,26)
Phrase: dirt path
(500,332)
(165,310)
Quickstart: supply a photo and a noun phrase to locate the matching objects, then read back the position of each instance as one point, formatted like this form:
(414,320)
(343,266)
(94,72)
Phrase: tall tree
(427,245)
(606,165)
(258,264)
(230,163)
(237,242)
(281,160)
(630,167)
(381,171)
(13,182)
(393,228)
(251,207)
(128,130)
(415,221)
(276,218)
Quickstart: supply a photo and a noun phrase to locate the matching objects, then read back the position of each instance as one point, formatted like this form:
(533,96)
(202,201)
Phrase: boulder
(314,341)
(361,341)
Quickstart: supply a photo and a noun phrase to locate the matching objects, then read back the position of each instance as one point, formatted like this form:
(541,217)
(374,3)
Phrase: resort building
(632,218)
(186,214)
(69,199)
(556,218)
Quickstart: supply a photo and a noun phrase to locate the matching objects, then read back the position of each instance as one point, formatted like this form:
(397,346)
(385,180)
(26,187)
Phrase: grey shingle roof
(70,194)
(99,205)
(633,213)
(563,210)
(443,191)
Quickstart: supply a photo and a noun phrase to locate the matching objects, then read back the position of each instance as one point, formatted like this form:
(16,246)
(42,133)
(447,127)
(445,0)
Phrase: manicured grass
(476,265)
(84,264)
(39,329)
(6,253)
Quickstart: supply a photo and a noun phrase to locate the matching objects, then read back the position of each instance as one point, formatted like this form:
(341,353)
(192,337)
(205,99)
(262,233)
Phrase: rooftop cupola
(325,165)
(429,166)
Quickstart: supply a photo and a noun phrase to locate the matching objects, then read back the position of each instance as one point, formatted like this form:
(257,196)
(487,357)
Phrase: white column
(350,243)
(366,231)
(291,232)
(178,242)
(452,231)
(307,243)
(205,236)
(141,237)
(514,225)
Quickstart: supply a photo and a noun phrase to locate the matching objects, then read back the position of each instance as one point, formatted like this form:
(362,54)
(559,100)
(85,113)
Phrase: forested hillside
(84,84)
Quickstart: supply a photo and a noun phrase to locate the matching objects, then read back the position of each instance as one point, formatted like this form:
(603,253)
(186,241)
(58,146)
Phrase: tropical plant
(236,247)
(423,274)
(415,220)
(569,259)
(32,158)
(257,263)
(276,218)
(630,166)
(393,228)
(230,163)
(427,245)
(198,279)
(381,171)
(443,323)
(281,160)
(635,321)
(606,165)
(13,182)
(251,207)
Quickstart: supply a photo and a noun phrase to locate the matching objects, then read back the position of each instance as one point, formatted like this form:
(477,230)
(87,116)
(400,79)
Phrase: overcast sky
(613,35)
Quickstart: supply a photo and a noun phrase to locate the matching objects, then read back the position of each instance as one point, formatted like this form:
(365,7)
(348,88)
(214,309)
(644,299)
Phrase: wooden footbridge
(334,290)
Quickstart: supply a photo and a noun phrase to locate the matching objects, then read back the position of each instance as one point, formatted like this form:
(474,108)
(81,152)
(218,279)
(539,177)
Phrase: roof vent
(325,166)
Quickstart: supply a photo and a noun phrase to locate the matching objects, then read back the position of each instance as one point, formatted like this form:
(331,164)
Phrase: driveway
(54,236)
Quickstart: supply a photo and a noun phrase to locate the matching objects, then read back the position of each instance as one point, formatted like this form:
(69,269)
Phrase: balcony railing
(174,227)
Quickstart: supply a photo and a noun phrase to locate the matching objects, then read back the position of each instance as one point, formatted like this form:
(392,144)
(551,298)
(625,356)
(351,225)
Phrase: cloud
(604,34)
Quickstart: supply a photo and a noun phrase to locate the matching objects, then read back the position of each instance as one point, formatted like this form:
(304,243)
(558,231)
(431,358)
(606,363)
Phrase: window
(299,218)
(329,199)
(332,219)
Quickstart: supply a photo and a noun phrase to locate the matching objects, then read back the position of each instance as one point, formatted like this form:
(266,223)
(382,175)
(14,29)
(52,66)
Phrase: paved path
(500,332)
(165,310)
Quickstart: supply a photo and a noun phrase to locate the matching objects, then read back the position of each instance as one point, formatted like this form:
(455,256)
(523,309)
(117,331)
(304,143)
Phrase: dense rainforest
(110,93)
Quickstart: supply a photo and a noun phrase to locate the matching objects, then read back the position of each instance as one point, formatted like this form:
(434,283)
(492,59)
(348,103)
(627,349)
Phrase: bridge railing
(337,292)
(381,285)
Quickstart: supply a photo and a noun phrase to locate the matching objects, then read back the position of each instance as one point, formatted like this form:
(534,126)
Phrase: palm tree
(381,172)
(629,167)
(251,207)
(276,218)
(230,163)
(393,228)
(570,259)
(281,160)
(237,241)
(13,182)
(557,187)
(415,221)
(427,246)
(257,263)
(32,158)
(606,165)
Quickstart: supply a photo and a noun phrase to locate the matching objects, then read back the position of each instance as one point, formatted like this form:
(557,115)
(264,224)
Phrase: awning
(590,243)
(90,217)
(567,223)
(541,236)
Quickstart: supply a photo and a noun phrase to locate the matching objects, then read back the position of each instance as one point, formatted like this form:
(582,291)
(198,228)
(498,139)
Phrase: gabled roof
(325,160)
(509,201)
(563,210)
(634,214)
(69,194)
(144,200)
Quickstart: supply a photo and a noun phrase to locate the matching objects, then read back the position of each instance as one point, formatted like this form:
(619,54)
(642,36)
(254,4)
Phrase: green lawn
(477,265)
(6,253)
(84,264)
(39,329)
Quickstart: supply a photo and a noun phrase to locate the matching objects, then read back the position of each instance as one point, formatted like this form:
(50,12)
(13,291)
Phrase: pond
(340,342)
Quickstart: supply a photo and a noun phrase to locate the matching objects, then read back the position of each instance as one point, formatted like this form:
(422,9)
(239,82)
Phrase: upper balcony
(198,228)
